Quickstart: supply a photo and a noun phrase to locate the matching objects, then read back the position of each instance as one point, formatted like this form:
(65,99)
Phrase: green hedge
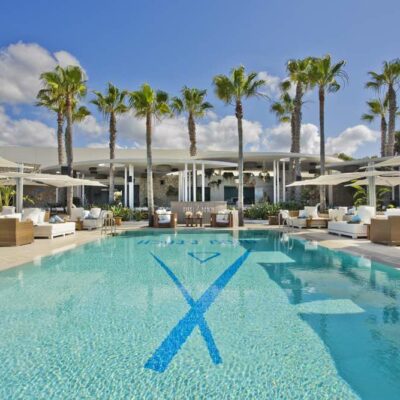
(265,210)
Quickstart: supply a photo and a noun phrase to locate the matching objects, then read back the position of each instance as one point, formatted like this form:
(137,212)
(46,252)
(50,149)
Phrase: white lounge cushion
(95,212)
(77,212)
(366,213)
(222,218)
(164,218)
(31,214)
(311,212)
(7,210)
(392,211)
(52,230)
(345,229)
(17,216)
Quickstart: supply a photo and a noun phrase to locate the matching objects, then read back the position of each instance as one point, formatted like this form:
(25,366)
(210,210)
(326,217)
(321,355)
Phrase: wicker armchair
(386,230)
(15,233)
(161,221)
(216,223)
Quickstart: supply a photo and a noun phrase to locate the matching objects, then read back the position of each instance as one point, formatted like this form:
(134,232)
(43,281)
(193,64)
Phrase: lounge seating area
(90,219)
(224,219)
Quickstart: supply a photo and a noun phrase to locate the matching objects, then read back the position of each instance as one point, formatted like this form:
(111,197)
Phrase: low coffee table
(194,221)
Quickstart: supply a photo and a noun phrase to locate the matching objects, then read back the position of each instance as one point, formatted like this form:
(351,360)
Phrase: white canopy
(392,162)
(337,179)
(50,179)
(379,180)
(57,181)
(7,164)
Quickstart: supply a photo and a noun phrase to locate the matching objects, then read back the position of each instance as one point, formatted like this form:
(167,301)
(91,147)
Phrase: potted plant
(118,214)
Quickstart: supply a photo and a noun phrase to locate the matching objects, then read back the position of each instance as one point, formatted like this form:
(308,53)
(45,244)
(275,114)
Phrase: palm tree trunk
(60,139)
(113,137)
(296,145)
(150,196)
(322,190)
(239,116)
(383,136)
(192,134)
(392,120)
(292,167)
(69,151)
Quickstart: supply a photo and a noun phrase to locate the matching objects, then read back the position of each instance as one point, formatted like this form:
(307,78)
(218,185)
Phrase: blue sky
(172,43)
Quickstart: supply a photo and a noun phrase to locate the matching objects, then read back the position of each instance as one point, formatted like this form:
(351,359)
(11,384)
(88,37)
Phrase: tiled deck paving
(13,256)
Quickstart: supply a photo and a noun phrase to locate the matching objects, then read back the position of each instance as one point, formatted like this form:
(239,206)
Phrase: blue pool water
(205,315)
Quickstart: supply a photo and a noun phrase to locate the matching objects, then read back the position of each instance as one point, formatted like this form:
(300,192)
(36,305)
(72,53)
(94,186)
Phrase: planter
(273,220)
(118,221)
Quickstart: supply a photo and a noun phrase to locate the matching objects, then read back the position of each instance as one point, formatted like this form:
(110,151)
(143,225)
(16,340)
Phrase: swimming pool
(200,314)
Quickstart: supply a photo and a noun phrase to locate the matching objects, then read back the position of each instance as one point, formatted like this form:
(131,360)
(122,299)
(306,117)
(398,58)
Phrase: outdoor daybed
(52,230)
(307,218)
(92,219)
(357,228)
(222,219)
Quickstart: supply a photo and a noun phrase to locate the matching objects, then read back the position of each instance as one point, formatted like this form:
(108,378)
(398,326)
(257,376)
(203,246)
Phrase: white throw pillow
(31,214)
(8,210)
(42,215)
(85,214)
(95,212)
(392,211)
(76,213)
(17,216)
(302,214)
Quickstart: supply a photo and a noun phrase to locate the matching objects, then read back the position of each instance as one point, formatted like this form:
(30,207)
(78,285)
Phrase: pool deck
(14,256)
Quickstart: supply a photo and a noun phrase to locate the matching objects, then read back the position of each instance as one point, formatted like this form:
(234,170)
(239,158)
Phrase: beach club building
(210,176)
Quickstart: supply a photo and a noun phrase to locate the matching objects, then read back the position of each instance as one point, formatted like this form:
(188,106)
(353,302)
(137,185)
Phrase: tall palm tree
(192,102)
(71,84)
(149,104)
(389,78)
(299,77)
(232,90)
(378,108)
(111,104)
(326,76)
(50,97)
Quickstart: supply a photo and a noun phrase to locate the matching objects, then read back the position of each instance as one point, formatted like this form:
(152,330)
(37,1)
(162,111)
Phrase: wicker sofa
(222,220)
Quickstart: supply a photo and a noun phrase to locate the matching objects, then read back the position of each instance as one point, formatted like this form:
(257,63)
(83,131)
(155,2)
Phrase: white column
(203,184)
(185,184)
(278,194)
(125,186)
(189,186)
(20,191)
(56,195)
(83,191)
(194,182)
(371,187)
(283,181)
(131,185)
(274,172)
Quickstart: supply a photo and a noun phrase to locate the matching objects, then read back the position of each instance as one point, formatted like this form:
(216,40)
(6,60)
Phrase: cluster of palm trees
(64,88)
(384,106)
(304,75)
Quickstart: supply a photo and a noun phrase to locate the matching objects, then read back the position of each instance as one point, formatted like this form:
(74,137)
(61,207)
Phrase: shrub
(265,210)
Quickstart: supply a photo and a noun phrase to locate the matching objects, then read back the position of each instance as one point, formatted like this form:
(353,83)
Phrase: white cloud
(20,67)
(24,132)
(91,126)
(351,139)
(271,88)
(103,145)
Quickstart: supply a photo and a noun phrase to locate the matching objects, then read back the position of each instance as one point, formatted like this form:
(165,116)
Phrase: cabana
(57,181)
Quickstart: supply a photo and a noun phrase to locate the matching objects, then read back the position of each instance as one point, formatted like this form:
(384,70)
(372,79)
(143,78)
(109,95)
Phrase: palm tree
(149,104)
(192,102)
(70,83)
(50,97)
(111,104)
(299,76)
(325,75)
(232,90)
(378,109)
(390,79)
